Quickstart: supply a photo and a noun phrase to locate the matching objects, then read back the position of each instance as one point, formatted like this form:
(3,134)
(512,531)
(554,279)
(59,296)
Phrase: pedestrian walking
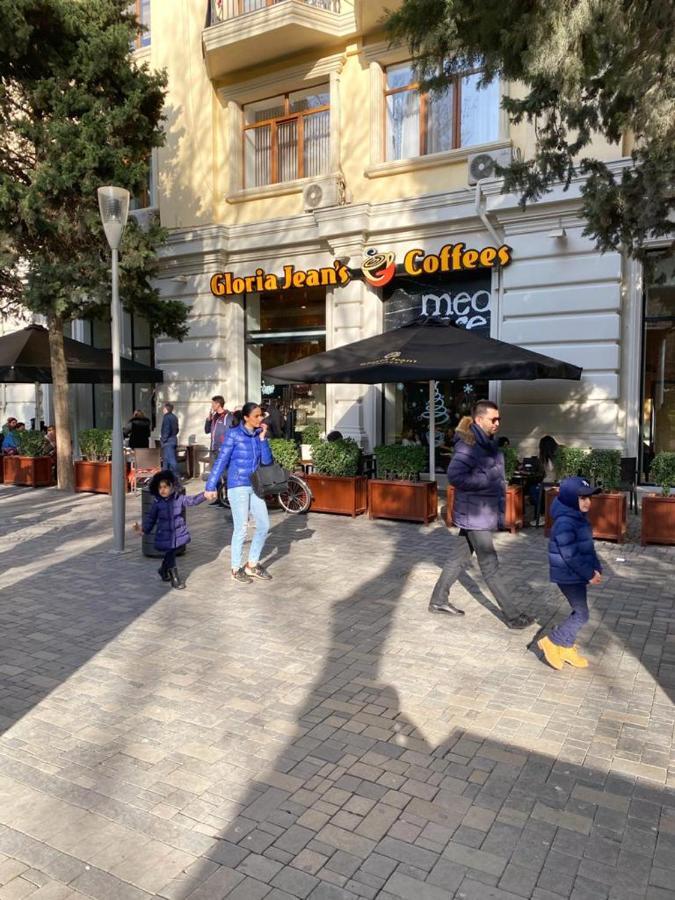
(168,514)
(476,471)
(574,565)
(245,448)
(169,439)
(217,423)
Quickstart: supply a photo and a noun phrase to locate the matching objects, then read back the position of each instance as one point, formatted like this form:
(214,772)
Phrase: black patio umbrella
(427,350)
(24,358)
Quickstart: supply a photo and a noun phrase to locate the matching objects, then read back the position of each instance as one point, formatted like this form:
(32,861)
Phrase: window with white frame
(287,137)
(141,10)
(419,122)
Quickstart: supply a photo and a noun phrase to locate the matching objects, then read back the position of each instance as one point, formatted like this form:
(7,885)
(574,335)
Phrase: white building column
(353,312)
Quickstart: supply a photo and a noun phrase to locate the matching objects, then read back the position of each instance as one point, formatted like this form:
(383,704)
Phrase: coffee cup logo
(378,268)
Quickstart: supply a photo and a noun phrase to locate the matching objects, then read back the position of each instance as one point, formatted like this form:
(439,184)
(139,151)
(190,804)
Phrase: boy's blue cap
(574,487)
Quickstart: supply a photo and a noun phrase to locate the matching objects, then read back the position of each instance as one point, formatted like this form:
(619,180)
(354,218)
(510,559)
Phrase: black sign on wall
(464,299)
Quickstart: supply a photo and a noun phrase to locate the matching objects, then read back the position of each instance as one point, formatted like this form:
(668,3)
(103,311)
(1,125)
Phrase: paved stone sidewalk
(323,737)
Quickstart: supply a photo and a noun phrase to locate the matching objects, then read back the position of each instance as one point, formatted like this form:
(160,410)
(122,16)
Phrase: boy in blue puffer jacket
(574,565)
(168,513)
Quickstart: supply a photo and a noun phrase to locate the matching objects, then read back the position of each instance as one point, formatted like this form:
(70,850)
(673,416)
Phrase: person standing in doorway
(476,471)
(169,439)
(245,448)
(138,430)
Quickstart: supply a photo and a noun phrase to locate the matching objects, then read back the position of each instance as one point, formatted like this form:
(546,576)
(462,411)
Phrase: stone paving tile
(322,737)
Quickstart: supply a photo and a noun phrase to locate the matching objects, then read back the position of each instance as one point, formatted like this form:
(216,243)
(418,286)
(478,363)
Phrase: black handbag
(268,479)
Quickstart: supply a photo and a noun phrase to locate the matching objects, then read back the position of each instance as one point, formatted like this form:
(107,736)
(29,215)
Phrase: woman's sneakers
(241,576)
(556,656)
(257,571)
(246,574)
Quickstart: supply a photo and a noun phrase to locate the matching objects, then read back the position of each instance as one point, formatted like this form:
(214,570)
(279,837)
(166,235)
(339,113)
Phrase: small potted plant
(609,509)
(658,510)
(568,461)
(32,465)
(93,473)
(335,485)
(310,436)
(398,493)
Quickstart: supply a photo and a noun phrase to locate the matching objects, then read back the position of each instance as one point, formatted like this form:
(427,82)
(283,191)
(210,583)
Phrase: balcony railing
(224,10)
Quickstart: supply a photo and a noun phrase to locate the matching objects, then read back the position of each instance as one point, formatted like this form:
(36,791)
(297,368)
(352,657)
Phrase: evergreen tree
(587,66)
(76,112)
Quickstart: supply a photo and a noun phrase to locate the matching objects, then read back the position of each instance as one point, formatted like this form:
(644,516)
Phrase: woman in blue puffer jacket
(574,565)
(244,449)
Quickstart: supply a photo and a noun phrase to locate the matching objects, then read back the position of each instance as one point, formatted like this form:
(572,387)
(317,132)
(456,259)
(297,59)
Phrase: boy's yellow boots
(572,656)
(556,656)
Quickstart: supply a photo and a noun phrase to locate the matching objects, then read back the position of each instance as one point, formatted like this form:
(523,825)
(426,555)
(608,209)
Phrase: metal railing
(224,10)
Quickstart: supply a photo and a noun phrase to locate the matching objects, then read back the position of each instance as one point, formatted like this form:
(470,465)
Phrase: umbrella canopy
(24,357)
(429,349)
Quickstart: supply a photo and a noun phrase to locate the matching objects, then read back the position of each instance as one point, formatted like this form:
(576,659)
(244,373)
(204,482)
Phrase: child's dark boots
(176,581)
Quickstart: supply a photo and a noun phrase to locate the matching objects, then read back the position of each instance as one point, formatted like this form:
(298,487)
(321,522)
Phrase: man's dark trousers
(481,543)
(169,458)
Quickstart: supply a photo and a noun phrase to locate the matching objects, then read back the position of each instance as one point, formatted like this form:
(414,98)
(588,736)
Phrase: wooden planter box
(658,520)
(608,515)
(96,477)
(413,501)
(514,507)
(335,494)
(33,471)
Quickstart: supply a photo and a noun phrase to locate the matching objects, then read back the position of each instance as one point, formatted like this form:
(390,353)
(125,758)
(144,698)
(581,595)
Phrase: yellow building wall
(193,180)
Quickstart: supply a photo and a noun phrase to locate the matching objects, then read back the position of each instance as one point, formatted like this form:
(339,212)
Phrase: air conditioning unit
(145,217)
(484,165)
(323,192)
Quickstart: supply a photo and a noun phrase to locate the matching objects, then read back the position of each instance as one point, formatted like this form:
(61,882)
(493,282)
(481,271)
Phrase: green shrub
(569,461)
(312,434)
(336,457)
(399,461)
(662,471)
(285,453)
(31,443)
(96,444)
(603,468)
(510,461)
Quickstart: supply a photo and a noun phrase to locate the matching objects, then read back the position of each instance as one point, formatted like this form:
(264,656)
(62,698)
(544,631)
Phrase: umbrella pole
(432,431)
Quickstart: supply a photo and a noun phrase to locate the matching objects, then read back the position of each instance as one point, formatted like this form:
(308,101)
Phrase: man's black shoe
(446,608)
(519,622)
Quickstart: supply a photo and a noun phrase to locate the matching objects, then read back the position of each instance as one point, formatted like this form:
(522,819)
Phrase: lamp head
(113,204)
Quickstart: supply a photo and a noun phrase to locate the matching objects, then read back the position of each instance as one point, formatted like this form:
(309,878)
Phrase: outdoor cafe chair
(144,464)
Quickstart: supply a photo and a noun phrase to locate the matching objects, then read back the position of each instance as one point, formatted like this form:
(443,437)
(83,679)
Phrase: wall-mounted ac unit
(484,165)
(145,217)
(328,191)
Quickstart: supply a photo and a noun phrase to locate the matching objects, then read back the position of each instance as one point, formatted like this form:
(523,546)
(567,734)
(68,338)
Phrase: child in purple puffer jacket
(168,513)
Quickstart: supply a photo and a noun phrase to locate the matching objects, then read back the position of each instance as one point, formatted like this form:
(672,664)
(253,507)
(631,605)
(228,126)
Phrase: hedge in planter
(93,473)
(285,453)
(398,493)
(658,511)
(335,486)
(309,438)
(32,465)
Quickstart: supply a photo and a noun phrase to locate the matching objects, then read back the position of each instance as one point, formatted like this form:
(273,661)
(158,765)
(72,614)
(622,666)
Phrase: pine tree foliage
(588,67)
(76,113)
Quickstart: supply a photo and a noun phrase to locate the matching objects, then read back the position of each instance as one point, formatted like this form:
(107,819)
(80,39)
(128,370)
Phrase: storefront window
(658,373)
(466,301)
(419,123)
(283,326)
(287,137)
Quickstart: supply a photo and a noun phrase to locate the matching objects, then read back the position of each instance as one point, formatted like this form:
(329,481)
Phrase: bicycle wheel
(297,497)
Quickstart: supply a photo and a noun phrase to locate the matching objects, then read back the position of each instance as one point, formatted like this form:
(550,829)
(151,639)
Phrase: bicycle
(296,499)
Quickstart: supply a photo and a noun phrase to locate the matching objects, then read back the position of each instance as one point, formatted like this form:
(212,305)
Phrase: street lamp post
(113,203)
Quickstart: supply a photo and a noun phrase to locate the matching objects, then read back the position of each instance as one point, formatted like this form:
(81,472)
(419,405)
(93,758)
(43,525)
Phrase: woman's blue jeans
(244,503)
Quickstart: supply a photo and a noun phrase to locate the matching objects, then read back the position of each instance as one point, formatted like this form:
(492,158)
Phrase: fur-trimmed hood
(463,431)
(165,475)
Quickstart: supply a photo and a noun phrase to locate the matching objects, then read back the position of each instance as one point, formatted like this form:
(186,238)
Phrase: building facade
(298,145)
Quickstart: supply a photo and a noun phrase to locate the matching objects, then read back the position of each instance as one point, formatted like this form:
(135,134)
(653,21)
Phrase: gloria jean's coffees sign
(377,269)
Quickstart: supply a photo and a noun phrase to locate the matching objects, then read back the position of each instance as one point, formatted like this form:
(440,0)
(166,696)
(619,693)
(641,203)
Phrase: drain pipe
(482,215)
